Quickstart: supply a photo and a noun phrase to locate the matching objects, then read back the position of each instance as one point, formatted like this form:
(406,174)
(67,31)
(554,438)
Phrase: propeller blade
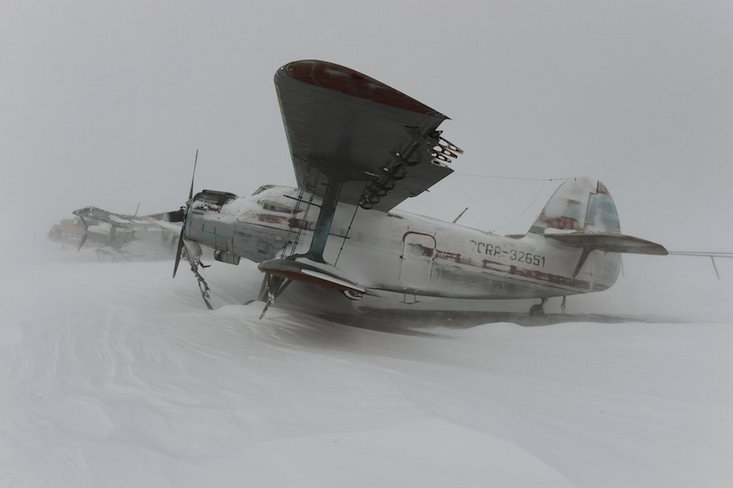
(179,251)
(183,214)
(195,161)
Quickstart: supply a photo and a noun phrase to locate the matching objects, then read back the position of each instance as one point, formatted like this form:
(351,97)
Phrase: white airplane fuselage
(399,251)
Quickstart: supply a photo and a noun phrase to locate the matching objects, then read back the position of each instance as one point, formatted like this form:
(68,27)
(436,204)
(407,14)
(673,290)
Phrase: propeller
(192,257)
(184,212)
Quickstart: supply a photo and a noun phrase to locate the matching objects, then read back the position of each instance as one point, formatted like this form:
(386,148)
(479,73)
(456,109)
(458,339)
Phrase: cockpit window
(212,200)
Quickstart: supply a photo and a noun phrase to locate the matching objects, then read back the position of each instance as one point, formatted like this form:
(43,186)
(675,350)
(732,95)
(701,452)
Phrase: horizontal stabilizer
(609,242)
(306,270)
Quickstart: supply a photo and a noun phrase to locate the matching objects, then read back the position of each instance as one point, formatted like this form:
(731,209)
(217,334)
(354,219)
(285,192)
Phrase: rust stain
(561,222)
(301,224)
(283,219)
(511,269)
(451,256)
(488,264)
(556,279)
(271,219)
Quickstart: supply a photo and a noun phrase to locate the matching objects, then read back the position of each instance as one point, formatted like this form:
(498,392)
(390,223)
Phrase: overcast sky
(104,103)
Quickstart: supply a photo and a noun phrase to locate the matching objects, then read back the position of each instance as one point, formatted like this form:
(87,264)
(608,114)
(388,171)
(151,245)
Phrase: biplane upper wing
(380,144)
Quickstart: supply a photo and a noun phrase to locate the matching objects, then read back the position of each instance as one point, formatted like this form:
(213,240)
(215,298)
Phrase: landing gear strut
(196,263)
(272,287)
(538,309)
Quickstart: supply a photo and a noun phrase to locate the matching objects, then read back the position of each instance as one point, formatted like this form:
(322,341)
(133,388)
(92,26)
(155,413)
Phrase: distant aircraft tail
(582,214)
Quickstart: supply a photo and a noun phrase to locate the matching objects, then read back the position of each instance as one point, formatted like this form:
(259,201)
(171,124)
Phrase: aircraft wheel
(536,310)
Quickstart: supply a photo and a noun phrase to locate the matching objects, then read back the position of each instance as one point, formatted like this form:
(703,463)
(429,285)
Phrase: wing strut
(324,222)
(311,267)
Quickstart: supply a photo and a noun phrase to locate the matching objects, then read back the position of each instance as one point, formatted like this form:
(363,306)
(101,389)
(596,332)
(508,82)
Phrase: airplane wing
(356,140)
(383,144)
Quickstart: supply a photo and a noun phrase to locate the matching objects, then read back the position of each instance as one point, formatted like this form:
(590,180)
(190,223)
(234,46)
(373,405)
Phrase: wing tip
(332,76)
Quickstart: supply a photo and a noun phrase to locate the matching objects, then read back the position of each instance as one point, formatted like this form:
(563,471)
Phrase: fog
(105,103)
(111,374)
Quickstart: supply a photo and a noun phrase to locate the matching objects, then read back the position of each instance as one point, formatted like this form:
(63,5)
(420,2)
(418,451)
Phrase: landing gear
(183,251)
(195,263)
(272,287)
(538,309)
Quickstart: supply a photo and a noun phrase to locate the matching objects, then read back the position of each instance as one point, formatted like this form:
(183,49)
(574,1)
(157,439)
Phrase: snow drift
(115,375)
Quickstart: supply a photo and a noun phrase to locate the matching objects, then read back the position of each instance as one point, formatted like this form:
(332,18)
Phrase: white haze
(104,103)
(111,374)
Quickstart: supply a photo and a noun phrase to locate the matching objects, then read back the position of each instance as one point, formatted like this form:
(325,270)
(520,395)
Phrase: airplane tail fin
(582,214)
(579,204)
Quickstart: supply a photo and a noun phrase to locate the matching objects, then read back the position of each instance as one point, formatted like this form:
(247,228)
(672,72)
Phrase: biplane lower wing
(307,271)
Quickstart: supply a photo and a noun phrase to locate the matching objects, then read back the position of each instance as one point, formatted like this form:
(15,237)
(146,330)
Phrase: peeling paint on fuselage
(455,261)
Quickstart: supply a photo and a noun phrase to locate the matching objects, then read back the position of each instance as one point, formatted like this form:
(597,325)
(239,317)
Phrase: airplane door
(418,253)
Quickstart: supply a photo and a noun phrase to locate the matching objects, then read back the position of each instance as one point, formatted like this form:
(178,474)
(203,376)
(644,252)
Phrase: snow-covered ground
(115,375)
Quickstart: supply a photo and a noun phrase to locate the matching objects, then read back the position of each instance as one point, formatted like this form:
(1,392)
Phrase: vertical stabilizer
(582,214)
(579,204)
